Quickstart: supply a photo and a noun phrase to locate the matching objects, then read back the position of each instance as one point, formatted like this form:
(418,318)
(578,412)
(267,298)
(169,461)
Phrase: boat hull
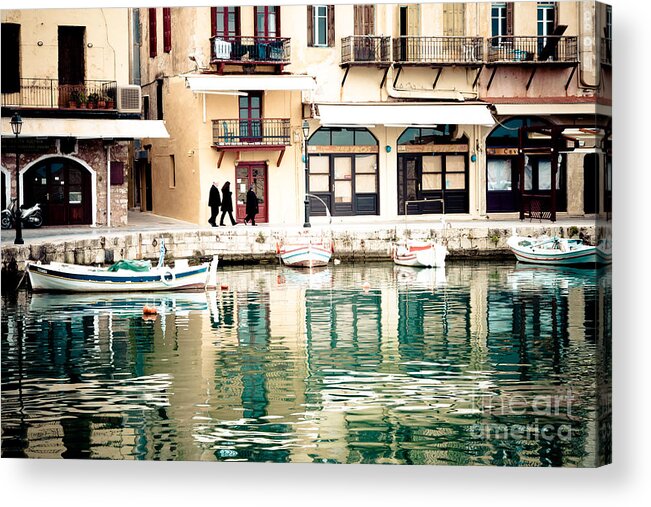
(424,256)
(59,277)
(305,256)
(572,254)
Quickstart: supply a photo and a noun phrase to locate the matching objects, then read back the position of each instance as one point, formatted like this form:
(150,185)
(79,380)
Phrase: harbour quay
(244,244)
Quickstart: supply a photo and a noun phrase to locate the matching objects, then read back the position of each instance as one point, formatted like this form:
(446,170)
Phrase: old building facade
(468,110)
(66,72)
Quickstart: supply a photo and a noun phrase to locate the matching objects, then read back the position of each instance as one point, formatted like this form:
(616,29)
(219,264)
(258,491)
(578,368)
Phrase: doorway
(591,183)
(72,65)
(63,189)
(247,175)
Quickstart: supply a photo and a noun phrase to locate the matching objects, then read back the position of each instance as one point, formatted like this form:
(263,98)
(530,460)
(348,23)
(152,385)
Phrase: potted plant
(83,99)
(110,98)
(101,102)
(74,99)
(92,100)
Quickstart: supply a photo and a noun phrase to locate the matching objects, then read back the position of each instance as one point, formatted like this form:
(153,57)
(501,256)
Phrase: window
(321,25)
(501,22)
(267,21)
(172,171)
(346,178)
(167,29)
(10,58)
(432,171)
(546,18)
(499,175)
(225,22)
(364,16)
(152,33)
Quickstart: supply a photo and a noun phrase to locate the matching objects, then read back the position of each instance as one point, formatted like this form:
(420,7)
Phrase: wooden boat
(420,254)
(121,277)
(558,251)
(308,254)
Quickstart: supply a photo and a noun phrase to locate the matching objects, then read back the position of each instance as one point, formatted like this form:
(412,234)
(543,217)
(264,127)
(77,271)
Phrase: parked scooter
(30,216)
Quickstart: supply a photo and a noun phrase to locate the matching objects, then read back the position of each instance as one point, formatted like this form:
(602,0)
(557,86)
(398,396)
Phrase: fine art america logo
(516,417)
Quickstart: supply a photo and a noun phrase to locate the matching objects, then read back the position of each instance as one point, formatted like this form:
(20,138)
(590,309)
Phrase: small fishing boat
(308,254)
(558,251)
(420,254)
(123,276)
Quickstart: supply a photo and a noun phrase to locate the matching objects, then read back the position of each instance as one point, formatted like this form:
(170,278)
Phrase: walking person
(214,201)
(227,203)
(252,208)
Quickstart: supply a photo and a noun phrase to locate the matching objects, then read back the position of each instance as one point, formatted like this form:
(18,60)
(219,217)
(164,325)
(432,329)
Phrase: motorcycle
(30,216)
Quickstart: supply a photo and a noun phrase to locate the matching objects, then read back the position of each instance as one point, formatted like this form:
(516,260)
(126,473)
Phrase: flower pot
(72,104)
(101,104)
(110,104)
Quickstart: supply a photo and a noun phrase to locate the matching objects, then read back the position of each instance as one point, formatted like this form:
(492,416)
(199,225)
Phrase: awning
(215,84)
(586,108)
(88,128)
(405,114)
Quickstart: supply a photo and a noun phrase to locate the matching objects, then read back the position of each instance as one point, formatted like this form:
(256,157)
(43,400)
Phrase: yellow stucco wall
(106,44)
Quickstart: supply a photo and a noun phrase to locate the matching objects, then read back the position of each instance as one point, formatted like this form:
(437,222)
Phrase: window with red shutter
(152,33)
(167,29)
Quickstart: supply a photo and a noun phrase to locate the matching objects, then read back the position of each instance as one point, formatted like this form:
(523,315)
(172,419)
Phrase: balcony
(250,50)
(438,51)
(41,93)
(532,50)
(606,51)
(366,50)
(250,135)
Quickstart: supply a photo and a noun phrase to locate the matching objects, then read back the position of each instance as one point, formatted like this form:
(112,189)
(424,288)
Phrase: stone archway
(64,186)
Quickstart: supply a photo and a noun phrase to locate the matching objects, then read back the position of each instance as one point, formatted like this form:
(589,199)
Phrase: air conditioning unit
(129,99)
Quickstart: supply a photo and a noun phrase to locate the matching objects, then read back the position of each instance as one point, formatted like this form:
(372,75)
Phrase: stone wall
(89,153)
(249,244)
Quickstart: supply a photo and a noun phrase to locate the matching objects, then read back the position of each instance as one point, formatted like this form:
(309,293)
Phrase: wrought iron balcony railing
(438,50)
(366,49)
(273,50)
(606,51)
(44,93)
(251,132)
(547,49)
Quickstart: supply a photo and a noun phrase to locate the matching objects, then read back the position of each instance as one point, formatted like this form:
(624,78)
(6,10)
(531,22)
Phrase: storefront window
(499,175)
(346,179)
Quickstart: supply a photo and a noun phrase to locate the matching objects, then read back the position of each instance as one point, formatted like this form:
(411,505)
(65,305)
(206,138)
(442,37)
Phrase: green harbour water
(490,363)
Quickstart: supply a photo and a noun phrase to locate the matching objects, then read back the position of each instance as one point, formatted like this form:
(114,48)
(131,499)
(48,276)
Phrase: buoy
(224,287)
(149,310)
(366,286)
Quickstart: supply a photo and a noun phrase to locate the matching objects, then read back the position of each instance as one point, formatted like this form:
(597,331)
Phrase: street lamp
(306,132)
(16,127)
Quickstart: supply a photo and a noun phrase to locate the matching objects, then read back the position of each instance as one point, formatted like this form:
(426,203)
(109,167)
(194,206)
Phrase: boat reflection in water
(368,363)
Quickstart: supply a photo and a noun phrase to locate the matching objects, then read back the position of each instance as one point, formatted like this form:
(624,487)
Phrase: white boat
(420,254)
(306,254)
(558,251)
(61,277)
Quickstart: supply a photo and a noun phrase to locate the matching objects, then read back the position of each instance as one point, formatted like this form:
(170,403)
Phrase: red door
(251,174)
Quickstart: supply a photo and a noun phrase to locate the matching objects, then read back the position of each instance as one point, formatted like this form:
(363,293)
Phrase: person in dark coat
(252,208)
(227,203)
(214,201)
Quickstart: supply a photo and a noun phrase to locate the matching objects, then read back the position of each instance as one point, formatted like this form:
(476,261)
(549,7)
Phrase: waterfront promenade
(356,241)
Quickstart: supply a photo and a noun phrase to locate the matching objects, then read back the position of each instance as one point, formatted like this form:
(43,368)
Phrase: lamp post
(306,132)
(16,127)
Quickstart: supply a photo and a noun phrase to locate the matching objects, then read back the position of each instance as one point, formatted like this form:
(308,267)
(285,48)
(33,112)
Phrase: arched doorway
(5,188)
(432,171)
(63,188)
(343,171)
(503,172)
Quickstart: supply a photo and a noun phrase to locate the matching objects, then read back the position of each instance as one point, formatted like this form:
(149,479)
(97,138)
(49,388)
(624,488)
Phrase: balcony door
(267,21)
(251,118)
(72,65)
(247,175)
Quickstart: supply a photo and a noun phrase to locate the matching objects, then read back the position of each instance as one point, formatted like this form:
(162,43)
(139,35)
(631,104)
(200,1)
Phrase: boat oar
(21,280)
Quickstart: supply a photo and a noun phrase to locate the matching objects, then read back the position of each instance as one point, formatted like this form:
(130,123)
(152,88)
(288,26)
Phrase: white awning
(216,84)
(405,114)
(88,128)
(586,108)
